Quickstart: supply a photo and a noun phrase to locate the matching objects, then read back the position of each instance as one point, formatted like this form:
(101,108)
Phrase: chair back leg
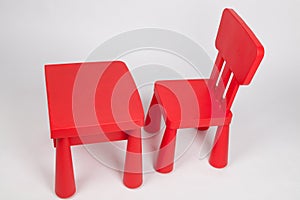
(153,119)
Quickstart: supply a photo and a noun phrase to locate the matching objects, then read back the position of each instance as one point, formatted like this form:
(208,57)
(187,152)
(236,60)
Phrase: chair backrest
(239,56)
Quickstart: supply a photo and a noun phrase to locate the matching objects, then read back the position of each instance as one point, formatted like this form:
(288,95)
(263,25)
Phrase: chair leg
(64,177)
(133,175)
(219,154)
(153,119)
(165,159)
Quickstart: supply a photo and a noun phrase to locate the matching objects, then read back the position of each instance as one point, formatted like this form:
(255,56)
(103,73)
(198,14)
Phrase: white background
(265,139)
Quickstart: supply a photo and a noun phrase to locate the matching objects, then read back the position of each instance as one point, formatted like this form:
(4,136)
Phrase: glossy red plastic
(93,102)
(202,103)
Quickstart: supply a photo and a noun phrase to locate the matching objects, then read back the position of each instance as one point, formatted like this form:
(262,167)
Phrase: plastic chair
(93,102)
(239,55)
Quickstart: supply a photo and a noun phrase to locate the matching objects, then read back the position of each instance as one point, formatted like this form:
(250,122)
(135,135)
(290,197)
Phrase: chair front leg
(153,119)
(133,176)
(64,176)
(165,159)
(219,154)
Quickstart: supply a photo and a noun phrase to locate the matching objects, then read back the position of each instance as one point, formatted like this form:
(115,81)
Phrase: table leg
(64,177)
(133,175)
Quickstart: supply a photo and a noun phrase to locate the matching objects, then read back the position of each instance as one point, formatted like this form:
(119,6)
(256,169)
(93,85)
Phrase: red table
(93,102)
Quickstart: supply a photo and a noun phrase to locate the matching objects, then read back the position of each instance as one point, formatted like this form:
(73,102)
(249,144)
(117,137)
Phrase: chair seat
(190,103)
(91,98)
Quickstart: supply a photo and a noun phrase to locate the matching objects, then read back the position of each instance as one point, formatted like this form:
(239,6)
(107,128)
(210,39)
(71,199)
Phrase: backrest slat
(216,71)
(231,92)
(220,87)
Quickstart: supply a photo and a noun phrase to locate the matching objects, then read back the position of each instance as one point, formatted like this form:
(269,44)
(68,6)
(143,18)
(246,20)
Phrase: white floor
(264,141)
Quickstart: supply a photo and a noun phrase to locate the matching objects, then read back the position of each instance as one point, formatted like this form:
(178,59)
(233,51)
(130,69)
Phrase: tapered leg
(153,119)
(219,154)
(64,177)
(133,175)
(165,159)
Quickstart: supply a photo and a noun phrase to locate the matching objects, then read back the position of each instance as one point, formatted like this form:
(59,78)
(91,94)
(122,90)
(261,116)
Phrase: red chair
(202,103)
(93,102)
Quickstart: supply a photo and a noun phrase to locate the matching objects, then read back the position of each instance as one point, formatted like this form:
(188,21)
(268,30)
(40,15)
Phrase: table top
(88,98)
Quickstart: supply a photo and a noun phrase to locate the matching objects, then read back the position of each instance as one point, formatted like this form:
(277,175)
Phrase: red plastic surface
(114,83)
(206,102)
(89,103)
